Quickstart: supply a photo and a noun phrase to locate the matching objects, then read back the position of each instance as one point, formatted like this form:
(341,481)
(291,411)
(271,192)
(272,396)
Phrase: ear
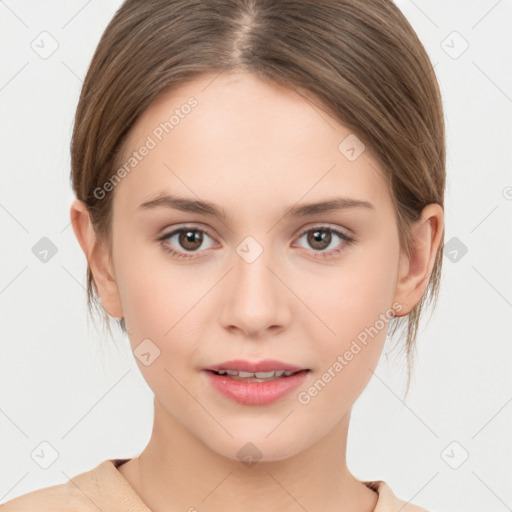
(413,272)
(96,253)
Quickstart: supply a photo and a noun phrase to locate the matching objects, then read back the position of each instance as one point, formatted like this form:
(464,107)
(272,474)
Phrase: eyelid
(199,227)
(332,253)
(335,228)
(183,227)
(346,238)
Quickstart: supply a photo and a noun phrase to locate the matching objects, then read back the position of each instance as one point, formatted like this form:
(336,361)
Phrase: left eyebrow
(206,208)
(338,203)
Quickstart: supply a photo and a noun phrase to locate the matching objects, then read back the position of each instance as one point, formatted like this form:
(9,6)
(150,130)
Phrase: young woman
(259,196)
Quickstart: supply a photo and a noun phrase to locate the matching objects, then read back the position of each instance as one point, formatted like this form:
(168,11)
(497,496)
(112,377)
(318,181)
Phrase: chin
(251,449)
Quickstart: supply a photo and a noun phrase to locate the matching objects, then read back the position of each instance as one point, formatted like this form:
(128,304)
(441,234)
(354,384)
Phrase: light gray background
(59,386)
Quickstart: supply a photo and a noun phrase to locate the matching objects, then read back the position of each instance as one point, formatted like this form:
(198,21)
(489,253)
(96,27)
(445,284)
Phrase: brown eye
(322,241)
(319,238)
(186,241)
(190,239)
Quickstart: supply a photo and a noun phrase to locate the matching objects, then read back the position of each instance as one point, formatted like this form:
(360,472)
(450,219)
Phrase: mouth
(255,383)
(257,376)
(261,371)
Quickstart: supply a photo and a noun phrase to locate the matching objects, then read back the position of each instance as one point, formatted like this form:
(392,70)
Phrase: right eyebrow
(184,204)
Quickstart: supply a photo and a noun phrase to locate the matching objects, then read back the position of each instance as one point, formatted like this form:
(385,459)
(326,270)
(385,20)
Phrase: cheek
(162,305)
(159,304)
(354,293)
(155,295)
(354,307)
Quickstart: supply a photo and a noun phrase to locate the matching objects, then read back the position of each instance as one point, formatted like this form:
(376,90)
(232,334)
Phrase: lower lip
(256,393)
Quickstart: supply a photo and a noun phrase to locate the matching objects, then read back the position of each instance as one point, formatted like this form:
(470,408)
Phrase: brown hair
(359,59)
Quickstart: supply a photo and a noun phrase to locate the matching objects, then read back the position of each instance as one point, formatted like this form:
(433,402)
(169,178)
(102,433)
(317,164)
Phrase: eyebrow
(206,208)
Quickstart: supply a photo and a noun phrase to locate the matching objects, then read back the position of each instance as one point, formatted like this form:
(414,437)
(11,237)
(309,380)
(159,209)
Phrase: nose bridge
(257,298)
(254,280)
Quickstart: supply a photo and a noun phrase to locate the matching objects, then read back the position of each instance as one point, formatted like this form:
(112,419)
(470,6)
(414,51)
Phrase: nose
(256,298)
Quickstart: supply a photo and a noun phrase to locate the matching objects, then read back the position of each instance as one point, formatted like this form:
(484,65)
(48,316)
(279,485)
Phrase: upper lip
(255,366)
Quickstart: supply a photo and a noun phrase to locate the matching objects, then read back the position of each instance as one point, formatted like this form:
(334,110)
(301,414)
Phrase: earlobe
(98,258)
(414,272)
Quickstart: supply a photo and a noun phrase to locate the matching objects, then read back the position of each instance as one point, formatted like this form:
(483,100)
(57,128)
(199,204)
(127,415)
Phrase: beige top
(104,488)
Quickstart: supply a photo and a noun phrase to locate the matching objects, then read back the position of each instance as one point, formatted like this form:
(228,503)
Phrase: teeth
(257,375)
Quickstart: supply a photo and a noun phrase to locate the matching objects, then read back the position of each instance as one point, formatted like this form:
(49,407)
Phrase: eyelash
(316,254)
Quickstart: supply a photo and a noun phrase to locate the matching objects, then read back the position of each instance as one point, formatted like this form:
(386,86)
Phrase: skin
(254,149)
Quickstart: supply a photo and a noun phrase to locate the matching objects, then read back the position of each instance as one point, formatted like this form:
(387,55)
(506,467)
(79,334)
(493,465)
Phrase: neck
(178,472)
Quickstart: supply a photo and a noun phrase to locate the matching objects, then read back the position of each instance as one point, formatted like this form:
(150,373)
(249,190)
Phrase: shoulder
(56,498)
(80,494)
(388,501)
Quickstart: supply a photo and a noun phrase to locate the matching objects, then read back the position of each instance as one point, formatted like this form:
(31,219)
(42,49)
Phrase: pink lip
(255,393)
(260,366)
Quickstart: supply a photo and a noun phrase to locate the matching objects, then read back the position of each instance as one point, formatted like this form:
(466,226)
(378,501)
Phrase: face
(259,281)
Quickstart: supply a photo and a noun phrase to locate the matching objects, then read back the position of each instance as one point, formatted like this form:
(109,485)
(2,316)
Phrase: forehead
(244,143)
